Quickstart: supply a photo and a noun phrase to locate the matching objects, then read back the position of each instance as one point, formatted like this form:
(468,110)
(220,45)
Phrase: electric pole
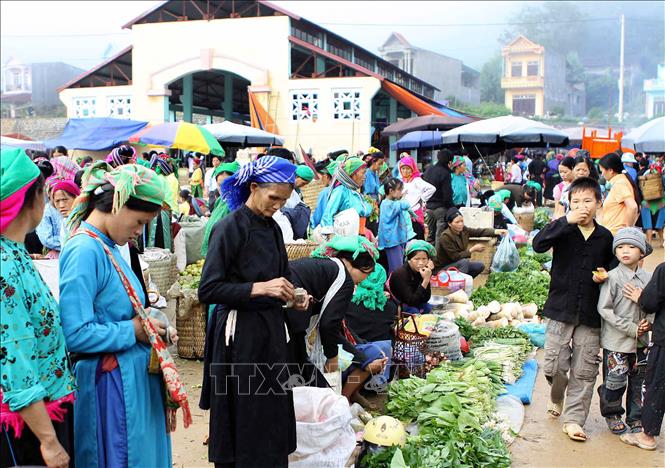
(621,69)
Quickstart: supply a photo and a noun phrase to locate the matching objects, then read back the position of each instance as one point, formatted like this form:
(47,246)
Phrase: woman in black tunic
(252,421)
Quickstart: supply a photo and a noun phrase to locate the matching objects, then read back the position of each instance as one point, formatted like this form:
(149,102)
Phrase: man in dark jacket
(652,301)
(437,206)
(572,342)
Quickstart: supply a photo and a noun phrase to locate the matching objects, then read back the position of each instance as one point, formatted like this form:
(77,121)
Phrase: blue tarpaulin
(523,388)
(96,134)
(418,139)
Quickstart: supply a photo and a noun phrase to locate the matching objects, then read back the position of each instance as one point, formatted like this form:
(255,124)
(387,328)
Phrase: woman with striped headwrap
(158,232)
(121,155)
(345,194)
(120,407)
(246,273)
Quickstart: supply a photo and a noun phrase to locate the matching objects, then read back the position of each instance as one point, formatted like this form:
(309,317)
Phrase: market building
(535,81)
(251,61)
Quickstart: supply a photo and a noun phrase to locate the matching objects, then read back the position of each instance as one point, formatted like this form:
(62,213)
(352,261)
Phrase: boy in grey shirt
(623,334)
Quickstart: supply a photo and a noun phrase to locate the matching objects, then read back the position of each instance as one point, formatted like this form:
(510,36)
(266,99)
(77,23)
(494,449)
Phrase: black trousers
(622,373)
(24,451)
(653,404)
(436,223)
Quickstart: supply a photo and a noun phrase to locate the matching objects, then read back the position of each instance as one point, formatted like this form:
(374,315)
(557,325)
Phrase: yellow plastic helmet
(385,431)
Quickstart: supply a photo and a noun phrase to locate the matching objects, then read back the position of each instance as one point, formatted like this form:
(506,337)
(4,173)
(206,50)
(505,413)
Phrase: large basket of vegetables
(190,313)
(409,347)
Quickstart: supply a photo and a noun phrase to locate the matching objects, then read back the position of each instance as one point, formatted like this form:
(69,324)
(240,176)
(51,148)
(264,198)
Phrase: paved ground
(541,442)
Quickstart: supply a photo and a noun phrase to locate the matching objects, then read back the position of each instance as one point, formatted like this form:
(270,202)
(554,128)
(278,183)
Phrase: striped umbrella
(179,135)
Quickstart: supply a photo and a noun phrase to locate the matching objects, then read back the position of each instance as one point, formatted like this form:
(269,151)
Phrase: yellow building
(251,60)
(535,83)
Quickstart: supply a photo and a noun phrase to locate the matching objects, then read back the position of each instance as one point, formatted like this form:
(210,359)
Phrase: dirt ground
(541,442)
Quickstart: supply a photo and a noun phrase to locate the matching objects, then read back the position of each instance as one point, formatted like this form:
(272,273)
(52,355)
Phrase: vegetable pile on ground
(529,284)
(450,407)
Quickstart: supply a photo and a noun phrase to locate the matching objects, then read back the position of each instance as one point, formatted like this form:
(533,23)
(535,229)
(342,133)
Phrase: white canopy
(508,129)
(648,137)
(229,132)
(7,142)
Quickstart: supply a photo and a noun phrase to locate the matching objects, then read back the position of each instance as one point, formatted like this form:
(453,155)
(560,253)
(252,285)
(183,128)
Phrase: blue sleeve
(334,205)
(82,265)
(48,229)
(320,207)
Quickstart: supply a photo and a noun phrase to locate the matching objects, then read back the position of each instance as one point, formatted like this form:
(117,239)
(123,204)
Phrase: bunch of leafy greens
(541,218)
(518,286)
(450,405)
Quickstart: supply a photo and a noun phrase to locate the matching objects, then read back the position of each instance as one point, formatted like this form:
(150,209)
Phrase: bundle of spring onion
(510,352)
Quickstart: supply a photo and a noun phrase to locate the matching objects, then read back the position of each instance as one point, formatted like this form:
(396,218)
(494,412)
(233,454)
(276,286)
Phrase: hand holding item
(279,288)
(376,366)
(139,332)
(332,364)
(500,232)
(632,292)
(302,300)
(426,273)
(577,216)
(600,275)
(643,327)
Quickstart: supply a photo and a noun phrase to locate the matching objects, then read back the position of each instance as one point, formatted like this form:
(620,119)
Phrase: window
(119,106)
(516,69)
(304,105)
(658,108)
(346,104)
(532,68)
(85,107)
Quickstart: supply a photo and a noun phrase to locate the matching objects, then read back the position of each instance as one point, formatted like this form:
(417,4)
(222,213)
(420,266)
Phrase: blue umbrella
(418,139)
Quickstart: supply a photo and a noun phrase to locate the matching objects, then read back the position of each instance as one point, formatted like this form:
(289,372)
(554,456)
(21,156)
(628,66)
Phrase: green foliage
(485,109)
(490,80)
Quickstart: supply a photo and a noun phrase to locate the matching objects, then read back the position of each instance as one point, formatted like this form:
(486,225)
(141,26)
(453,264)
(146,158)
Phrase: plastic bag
(324,434)
(346,223)
(517,234)
(536,332)
(345,359)
(506,258)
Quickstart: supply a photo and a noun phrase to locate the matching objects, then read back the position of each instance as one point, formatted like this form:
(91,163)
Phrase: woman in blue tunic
(119,414)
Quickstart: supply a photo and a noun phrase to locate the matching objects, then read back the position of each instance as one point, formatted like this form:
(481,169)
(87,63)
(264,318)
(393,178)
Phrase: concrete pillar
(228,96)
(167,111)
(187,97)
(392,118)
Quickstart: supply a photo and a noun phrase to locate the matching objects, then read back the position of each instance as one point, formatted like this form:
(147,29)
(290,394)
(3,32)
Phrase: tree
(546,25)
(490,80)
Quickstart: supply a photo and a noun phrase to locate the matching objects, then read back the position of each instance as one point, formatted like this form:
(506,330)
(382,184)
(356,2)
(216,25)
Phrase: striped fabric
(268,169)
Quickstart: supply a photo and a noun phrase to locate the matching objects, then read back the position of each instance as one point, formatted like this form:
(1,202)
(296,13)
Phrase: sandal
(616,425)
(631,439)
(635,427)
(575,432)
(554,409)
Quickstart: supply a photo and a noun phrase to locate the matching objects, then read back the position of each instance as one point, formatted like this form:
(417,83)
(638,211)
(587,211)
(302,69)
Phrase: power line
(69,35)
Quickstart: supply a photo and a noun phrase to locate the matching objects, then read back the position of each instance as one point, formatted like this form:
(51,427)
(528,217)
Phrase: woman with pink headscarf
(416,192)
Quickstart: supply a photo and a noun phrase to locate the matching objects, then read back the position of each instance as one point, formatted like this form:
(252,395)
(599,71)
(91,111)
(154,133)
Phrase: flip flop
(631,439)
(614,423)
(554,409)
(575,432)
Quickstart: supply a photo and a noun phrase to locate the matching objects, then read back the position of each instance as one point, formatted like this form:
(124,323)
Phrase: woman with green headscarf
(345,194)
(37,385)
(221,209)
(119,413)
(329,277)
(410,283)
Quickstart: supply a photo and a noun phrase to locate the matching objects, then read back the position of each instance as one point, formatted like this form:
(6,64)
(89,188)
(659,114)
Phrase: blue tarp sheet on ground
(96,134)
(523,388)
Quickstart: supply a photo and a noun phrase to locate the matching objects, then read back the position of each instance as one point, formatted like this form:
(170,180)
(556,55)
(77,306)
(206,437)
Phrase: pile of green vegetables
(191,276)
(449,406)
(541,217)
(525,285)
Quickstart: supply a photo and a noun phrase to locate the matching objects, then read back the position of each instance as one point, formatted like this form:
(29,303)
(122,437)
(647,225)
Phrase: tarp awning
(409,100)
(7,142)
(259,117)
(229,132)
(96,134)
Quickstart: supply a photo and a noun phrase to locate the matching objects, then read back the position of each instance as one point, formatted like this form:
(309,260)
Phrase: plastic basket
(191,327)
(409,346)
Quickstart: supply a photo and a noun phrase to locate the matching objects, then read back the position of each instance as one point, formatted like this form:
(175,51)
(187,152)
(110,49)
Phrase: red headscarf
(68,186)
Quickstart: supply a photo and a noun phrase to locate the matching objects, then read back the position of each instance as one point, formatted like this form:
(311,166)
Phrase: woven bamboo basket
(191,327)
(525,220)
(651,186)
(300,250)
(310,193)
(163,272)
(487,255)
(408,348)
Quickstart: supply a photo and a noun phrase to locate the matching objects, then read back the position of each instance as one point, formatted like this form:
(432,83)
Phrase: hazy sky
(80,32)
